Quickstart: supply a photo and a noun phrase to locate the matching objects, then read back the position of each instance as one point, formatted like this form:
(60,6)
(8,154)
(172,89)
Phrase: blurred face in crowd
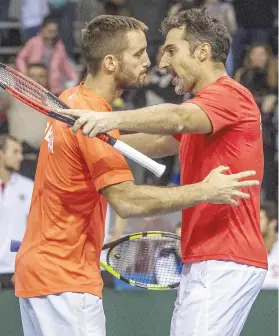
(38,74)
(258,57)
(133,63)
(11,155)
(180,61)
(50,32)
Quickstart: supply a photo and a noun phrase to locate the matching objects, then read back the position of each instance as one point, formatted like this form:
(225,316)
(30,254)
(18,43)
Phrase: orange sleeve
(107,166)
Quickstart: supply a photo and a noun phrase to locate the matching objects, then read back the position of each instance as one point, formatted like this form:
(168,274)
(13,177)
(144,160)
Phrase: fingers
(72,112)
(248,183)
(81,121)
(221,169)
(89,127)
(241,175)
(240,194)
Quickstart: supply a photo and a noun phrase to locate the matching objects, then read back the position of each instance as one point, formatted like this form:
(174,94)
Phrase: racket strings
(28,88)
(149,260)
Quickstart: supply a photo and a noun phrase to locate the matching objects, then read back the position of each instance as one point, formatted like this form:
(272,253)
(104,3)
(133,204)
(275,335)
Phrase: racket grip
(15,245)
(143,160)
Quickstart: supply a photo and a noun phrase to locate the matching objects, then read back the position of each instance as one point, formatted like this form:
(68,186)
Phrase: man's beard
(126,80)
(178,86)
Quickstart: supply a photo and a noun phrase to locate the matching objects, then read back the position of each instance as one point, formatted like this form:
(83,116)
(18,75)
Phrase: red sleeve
(221,105)
(177,137)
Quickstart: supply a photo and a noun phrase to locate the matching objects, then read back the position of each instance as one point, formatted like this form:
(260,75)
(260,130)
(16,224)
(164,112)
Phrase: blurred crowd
(41,39)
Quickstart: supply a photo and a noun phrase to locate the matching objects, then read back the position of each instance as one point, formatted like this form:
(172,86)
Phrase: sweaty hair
(200,28)
(4,138)
(105,35)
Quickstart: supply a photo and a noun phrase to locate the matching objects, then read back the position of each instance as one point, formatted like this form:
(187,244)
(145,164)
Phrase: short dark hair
(36,65)
(201,28)
(105,35)
(4,138)
(48,20)
(270,209)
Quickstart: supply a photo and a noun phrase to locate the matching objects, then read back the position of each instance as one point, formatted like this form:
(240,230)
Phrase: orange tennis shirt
(61,248)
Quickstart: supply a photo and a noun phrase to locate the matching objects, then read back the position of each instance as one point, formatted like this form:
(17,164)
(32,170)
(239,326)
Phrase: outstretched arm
(130,200)
(160,119)
(152,145)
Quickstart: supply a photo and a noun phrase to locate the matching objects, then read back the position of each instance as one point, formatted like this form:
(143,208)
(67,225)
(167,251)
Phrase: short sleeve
(107,166)
(177,137)
(221,104)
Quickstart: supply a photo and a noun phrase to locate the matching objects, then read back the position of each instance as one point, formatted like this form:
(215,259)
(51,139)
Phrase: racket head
(32,94)
(149,260)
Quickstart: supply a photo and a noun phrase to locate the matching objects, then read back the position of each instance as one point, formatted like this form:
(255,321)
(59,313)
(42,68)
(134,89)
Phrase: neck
(210,76)
(103,87)
(5,174)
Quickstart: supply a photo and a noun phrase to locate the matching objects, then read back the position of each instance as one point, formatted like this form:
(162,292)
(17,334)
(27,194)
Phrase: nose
(164,62)
(146,62)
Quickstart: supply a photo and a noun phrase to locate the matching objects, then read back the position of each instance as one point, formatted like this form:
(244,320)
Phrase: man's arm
(160,119)
(130,200)
(152,145)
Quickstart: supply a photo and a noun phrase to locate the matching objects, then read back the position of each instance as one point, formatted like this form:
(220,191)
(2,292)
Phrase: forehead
(51,25)
(136,40)
(175,37)
(12,144)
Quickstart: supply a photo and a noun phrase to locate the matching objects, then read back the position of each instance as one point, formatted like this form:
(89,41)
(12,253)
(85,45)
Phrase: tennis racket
(149,260)
(40,99)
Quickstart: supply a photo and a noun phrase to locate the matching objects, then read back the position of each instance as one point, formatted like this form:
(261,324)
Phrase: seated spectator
(255,21)
(25,123)
(260,76)
(15,198)
(48,49)
(269,228)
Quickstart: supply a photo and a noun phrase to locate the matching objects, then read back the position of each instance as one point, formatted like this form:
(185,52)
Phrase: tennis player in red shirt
(224,256)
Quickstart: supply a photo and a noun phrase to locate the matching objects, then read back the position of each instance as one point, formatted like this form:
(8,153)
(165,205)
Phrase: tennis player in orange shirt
(58,276)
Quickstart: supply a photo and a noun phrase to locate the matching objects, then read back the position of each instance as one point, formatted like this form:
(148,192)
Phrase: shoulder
(69,94)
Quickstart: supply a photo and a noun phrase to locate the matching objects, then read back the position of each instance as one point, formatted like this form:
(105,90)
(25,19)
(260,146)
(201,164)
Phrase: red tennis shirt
(214,231)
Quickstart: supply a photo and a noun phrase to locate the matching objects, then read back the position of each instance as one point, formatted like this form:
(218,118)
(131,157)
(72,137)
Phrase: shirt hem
(53,291)
(236,259)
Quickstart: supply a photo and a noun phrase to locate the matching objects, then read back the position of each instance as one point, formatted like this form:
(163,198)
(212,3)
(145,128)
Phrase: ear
(203,52)
(110,63)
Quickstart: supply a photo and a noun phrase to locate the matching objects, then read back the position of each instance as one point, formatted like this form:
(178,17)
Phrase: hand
(92,123)
(223,189)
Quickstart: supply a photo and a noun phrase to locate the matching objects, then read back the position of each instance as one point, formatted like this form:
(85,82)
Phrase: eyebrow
(140,50)
(168,46)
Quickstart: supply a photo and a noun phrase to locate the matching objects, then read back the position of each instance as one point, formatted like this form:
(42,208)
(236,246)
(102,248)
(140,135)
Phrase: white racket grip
(143,160)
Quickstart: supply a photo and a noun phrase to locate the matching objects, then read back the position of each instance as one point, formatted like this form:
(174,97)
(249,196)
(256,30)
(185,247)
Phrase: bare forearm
(152,145)
(138,201)
(159,119)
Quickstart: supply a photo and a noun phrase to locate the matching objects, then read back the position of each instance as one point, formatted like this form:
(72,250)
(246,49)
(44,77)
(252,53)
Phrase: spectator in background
(254,20)
(48,49)
(259,75)
(64,13)
(224,12)
(25,123)
(4,16)
(32,14)
(15,198)
(152,13)
(269,228)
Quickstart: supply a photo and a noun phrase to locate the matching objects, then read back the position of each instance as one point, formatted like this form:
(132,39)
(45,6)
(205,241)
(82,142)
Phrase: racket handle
(15,245)
(143,160)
